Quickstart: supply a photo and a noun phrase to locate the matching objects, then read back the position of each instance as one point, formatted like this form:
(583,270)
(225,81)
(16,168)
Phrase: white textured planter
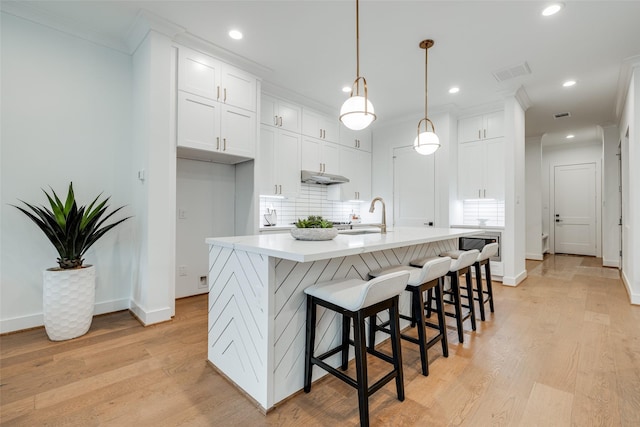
(68,301)
(314,233)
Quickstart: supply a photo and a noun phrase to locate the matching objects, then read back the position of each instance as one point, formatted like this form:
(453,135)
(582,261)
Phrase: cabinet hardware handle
(218,95)
(224,141)
(275,190)
(217,142)
(225,95)
(485,193)
(485,133)
(280,189)
(320,134)
(275,120)
(280,121)
(324,167)
(479,134)
(478,193)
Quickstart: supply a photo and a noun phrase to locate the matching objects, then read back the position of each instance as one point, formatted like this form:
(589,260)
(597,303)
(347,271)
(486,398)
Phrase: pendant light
(426,142)
(357,112)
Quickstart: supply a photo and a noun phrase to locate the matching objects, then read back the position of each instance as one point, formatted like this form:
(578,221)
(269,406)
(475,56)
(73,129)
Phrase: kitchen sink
(357,232)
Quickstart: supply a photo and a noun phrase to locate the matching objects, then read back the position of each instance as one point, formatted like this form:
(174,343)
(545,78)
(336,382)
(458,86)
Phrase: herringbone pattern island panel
(561,349)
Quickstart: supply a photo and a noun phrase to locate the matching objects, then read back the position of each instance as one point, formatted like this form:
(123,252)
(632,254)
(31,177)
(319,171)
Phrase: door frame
(552,203)
(393,184)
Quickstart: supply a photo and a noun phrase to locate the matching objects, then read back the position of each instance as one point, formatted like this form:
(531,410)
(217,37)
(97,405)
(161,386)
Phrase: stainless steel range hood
(322,178)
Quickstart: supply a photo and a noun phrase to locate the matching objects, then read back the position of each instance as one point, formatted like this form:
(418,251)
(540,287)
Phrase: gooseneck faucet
(383,225)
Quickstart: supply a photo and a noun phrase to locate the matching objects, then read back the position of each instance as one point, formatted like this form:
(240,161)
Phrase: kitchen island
(256,327)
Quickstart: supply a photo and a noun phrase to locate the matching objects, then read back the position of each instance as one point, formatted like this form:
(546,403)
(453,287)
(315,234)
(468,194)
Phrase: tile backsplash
(312,200)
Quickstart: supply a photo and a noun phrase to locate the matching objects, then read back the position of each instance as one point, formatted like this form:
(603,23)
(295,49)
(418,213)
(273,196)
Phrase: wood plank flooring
(562,349)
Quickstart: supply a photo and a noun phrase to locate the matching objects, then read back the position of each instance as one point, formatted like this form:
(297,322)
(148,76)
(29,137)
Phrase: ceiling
(308,47)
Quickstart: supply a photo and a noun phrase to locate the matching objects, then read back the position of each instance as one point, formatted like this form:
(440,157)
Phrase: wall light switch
(141,174)
(182,270)
(182,213)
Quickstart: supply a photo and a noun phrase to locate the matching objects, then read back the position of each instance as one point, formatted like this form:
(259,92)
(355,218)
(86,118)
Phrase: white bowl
(314,233)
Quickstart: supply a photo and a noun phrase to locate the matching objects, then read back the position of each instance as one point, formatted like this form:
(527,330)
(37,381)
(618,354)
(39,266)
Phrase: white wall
(587,151)
(630,136)
(66,116)
(205,194)
(611,198)
(533,201)
(401,134)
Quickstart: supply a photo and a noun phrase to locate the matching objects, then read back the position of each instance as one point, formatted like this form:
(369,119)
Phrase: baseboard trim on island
(514,281)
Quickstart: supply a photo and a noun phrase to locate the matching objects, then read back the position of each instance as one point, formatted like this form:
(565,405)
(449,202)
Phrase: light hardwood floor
(562,349)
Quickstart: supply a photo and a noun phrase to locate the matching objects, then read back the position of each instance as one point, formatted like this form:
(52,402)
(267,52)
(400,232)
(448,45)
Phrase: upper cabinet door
(319,126)
(494,125)
(279,113)
(238,88)
(198,122)
(198,74)
(470,129)
(238,131)
(359,139)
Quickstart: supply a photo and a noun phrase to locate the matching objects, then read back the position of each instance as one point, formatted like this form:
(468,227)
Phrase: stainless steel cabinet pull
(275,120)
(218,95)
(280,189)
(275,189)
(217,143)
(225,95)
(485,193)
(479,134)
(224,141)
(478,193)
(280,121)
(485,133)
(320,134)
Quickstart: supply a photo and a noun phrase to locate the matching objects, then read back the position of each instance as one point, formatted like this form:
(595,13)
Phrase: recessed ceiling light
(454,90)
(569,83)
(235,34)
(552,9)
(571,136)
(346,89)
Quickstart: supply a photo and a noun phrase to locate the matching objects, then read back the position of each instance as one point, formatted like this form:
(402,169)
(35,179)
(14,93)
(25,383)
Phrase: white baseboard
(611,263)
(37,320)
(536,257)
(514,281)
(149,317)
(633,298)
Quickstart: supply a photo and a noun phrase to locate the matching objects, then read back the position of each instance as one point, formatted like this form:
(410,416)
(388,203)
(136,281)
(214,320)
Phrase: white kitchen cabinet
(202,75)
(317,125)
(207,125)
(279,166)
(359,139)
(481,166)
(356,166)
(279,113)
(476,128)
(320,156)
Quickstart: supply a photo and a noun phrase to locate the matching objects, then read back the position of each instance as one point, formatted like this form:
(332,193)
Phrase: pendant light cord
(357,40)
(426,70)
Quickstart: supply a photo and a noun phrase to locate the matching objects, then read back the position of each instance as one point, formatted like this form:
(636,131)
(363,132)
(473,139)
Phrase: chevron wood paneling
(257,313)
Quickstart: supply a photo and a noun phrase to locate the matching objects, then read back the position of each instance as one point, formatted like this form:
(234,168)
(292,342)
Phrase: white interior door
(575,209)
(413,188)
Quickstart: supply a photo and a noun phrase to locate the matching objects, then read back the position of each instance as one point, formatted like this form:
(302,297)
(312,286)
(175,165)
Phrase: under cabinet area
(279,166)
(280,113)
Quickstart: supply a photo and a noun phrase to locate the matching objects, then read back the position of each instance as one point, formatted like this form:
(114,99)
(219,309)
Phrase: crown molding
(624,79)
(146,21)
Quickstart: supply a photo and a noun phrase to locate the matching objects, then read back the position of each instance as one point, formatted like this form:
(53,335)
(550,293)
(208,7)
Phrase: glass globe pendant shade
(354,115)
(426,143)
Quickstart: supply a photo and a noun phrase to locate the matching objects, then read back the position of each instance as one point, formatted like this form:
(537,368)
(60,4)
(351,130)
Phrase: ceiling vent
(512,72)
(561,115)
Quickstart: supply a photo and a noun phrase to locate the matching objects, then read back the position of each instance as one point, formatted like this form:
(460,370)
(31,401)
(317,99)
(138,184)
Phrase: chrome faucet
(383,225)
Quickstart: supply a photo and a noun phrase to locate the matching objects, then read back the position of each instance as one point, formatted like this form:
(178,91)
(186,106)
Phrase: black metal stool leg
(455,289)
(309,342)
(361,369)
(480,291)
(419,318)
(472,304)
(441,317)
(487,271)
(346,324)
(397,348)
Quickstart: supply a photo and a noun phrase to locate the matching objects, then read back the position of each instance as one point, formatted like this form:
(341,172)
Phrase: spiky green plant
(71,229)
(313,221)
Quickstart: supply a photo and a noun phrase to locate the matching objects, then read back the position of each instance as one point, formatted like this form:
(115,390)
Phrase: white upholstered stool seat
(426,278)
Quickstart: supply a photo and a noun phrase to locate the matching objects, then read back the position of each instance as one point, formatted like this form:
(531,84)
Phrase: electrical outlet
(203,282)
(182,270)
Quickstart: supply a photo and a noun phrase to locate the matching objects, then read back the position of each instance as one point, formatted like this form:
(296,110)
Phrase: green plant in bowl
(313,221)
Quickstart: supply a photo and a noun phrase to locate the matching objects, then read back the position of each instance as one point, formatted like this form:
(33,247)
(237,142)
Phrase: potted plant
(69,289)
(314,228)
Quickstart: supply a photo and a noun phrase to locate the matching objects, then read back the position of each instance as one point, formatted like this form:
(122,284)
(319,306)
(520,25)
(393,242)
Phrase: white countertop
(286,247)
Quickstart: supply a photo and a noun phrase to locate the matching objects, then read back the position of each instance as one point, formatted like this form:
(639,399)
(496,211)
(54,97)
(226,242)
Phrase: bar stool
(357,299)
(460,266)
(430,276)
(484,295)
